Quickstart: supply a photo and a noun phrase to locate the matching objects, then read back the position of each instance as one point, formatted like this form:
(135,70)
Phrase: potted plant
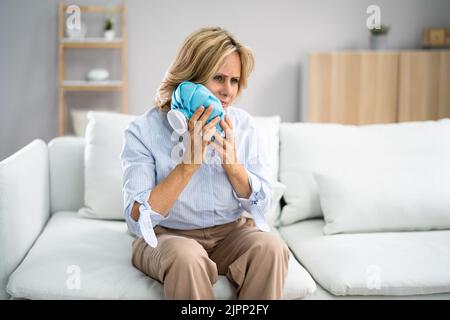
(108,29)
(378,37)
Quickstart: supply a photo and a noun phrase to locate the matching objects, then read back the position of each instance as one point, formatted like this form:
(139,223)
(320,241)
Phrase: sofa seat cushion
(80,258)
(322,294)
(388,263)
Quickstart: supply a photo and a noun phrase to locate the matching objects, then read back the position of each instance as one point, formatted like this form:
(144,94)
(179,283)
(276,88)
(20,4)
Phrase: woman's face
(225,83)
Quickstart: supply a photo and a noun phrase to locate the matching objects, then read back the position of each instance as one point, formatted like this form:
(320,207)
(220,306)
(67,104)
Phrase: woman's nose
(225,89)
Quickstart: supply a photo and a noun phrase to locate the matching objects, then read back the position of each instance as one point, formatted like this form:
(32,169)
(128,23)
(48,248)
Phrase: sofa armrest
(24,205)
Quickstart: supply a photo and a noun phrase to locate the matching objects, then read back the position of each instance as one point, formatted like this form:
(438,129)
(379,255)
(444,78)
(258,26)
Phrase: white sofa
(55,243)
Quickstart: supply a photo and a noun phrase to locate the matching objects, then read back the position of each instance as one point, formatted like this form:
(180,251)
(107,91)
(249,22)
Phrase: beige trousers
(188,262)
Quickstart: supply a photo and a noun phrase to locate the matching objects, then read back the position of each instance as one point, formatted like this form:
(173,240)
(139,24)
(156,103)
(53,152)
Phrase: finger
(224,125)
(229,135)
(228,121)
(206,115)
(218,138)
(228,131)
(195,117)
(212,123)
(207,134)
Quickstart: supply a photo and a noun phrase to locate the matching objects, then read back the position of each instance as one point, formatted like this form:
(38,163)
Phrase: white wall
(281,33)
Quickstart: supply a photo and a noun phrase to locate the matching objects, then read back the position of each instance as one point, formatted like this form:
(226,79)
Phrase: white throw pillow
(79,121)
(390,200)
(308,148)
(103,167)
(269,131)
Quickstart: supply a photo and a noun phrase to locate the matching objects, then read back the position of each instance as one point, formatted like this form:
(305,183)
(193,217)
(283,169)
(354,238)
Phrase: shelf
(75,85)
(80,87)
(97,9)
(91,43)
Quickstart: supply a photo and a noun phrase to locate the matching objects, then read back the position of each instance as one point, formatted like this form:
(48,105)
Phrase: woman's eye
(235,80)
(219,78)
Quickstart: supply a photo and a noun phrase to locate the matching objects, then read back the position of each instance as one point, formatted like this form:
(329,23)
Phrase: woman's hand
(226,147)
(200,135)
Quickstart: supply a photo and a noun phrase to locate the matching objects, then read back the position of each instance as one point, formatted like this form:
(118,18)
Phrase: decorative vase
(110,34)
(378,42)
(97,74)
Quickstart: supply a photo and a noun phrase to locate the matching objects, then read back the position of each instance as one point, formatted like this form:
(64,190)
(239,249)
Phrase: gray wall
(281,33)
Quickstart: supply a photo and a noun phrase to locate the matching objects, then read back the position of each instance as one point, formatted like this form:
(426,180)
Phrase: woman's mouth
(224,104)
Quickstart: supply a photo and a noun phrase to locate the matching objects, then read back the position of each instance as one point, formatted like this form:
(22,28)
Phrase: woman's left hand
(226,147)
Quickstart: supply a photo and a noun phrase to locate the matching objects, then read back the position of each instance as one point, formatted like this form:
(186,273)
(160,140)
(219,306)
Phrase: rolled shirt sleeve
(139,178)
(258,201)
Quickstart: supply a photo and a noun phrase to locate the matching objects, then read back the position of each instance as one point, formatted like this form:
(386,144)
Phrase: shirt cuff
(148,219)
(253,204)
(257,193)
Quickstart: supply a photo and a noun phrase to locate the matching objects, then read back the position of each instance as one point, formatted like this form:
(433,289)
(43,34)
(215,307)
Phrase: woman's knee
(185,252)
(273,245)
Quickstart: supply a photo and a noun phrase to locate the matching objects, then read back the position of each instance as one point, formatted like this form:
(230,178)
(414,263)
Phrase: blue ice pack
(187,98)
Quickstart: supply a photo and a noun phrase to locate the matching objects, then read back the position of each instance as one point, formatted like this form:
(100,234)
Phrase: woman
(187,216)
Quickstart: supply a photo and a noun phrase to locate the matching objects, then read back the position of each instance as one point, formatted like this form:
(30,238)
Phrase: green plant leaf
(384,29)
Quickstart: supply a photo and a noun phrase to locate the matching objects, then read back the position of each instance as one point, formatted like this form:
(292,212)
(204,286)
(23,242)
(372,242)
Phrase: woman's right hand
(200,135)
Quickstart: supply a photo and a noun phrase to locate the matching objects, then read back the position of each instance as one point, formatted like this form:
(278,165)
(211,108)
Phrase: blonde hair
(199,58)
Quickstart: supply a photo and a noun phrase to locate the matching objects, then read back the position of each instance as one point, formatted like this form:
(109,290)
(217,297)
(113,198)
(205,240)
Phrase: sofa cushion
(393,200)
(103,169)
(269,131)
(308,148)
(385,263)
(79,258)
(322,294)
(66,158)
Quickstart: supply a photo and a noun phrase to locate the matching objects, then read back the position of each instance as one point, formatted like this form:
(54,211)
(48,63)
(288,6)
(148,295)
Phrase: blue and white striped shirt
(208,199)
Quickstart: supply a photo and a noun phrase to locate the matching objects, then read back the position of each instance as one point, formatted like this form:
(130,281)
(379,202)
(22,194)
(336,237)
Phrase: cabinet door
(424,92)
(353,88)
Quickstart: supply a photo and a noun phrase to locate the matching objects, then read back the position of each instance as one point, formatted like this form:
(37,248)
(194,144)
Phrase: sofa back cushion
(345,155)
(388,200)
(103,168)
(102,165)
(269,131)
(66,158)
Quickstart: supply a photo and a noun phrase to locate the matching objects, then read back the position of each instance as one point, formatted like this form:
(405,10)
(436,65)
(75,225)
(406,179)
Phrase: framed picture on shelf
(436,37)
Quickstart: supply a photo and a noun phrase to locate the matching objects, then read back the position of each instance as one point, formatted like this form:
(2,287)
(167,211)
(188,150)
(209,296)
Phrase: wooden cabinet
(424,93)
(379,87)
